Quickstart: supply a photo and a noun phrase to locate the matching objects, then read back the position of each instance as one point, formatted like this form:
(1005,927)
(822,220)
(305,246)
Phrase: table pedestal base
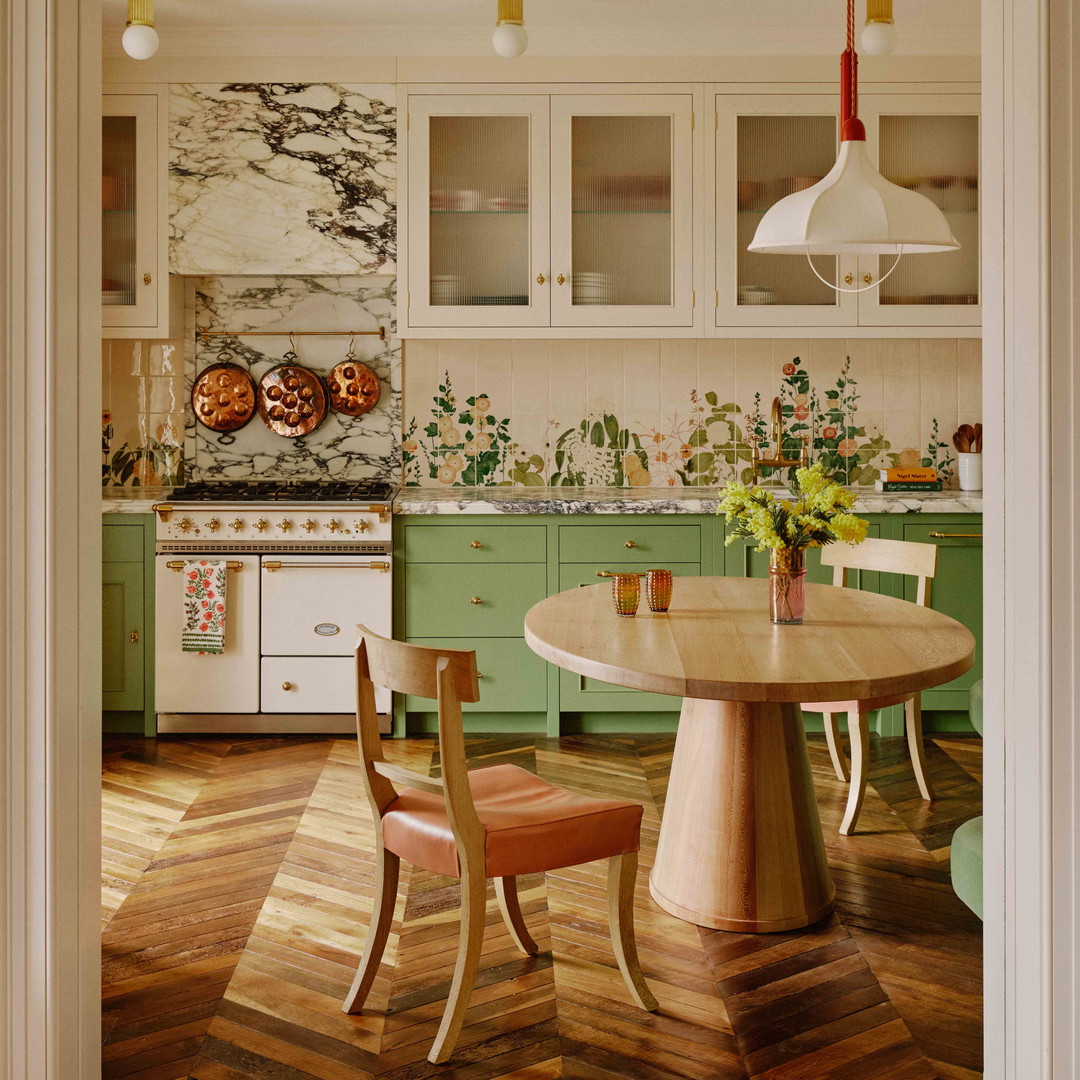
(740,844)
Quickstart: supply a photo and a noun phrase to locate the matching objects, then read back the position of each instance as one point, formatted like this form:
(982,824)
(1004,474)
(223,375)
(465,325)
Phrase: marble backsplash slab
(279,178)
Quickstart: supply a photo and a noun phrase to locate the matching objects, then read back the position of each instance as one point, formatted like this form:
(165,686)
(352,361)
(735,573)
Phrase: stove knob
(333,525)
(362,526)
(309,525)
(213,524)
(284,524)
(186,525)
(237,525)
(262,524)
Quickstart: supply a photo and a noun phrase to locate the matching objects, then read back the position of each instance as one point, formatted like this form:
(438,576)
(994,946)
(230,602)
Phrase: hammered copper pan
(354,387)
(292,400)
(223,397)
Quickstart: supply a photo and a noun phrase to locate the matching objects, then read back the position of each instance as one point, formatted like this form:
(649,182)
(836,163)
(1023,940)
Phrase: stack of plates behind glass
(592,287)
(445,289)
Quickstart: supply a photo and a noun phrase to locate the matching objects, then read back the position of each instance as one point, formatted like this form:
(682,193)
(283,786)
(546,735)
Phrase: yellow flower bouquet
(820,514)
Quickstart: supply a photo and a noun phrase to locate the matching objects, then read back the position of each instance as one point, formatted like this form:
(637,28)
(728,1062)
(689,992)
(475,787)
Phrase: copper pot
(223,397)
(292,400)
(354,388)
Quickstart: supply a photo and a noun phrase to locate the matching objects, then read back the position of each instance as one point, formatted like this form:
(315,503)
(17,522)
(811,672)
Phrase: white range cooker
(307,561)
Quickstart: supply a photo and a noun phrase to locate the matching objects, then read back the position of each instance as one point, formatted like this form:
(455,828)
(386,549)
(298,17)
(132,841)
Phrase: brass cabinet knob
(213,524)
(236,524)
(309,525)
(540,279)
(560,280)
(262,524)
(475,600)
(286,686)
(186,525)
(333,525)
(630,544)
(849,278)
(476,545)
(134,637)
(284,524)
(868,278)
(479,674)
(146,279)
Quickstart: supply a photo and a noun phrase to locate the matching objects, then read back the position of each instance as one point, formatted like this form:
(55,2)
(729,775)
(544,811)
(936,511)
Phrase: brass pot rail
(273,565)
(380,333)
(179,564)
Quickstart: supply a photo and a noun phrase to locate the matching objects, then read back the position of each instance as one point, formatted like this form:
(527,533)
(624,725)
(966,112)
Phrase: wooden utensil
(978,438)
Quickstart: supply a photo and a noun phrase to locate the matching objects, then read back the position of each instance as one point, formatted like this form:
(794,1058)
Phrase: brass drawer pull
(956,536)
(476,544)
(134,637)
(630,544)
(273,565)
(479,674)
(286,686)
(178,565)
(475,600)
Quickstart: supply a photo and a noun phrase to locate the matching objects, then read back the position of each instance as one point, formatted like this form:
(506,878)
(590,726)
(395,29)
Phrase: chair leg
(859,737)
(382,917)
(916,748)
(473,912)
(506,893)
(836,750)
(622,874)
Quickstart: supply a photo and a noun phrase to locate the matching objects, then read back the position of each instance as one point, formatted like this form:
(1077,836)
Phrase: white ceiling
(556,27)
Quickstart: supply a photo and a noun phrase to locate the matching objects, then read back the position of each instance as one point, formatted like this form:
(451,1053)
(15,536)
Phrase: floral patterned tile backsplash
(643,413)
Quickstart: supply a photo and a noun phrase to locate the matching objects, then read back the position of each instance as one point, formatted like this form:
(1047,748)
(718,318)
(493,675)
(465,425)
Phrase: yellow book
(916,474)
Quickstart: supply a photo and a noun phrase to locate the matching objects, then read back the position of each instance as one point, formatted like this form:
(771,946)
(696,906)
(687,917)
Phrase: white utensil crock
(970,472)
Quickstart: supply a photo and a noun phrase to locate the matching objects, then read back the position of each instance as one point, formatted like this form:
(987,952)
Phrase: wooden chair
(886,557)
(497,822)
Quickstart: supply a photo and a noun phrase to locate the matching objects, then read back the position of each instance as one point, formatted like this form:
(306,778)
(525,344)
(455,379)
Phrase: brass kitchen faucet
(778,461)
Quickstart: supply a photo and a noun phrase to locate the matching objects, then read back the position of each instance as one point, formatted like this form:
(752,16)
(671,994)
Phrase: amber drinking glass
(658,589)
(625,593)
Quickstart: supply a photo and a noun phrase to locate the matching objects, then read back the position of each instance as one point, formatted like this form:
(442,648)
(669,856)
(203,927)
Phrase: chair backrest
(885,557)
(448,676)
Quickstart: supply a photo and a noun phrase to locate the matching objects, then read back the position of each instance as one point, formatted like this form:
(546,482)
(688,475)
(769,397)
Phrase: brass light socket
(140,13)
(879,11)
(512,11)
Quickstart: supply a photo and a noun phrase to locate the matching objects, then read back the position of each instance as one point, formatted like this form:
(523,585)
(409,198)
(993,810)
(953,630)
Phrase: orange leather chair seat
(530,825)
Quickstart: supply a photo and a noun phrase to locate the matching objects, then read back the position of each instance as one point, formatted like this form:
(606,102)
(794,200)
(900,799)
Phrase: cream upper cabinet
(478,225)
(767,147)
(929,143)
(622,222)
(549,214)
(137,297)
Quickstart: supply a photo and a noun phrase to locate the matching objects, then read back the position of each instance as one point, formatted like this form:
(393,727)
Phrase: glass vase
(787,585)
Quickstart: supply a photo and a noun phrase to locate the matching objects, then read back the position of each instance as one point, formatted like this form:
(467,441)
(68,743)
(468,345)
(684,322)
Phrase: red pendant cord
(851,127)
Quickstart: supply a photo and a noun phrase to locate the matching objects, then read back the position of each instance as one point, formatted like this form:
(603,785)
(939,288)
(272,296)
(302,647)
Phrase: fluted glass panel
(479,210)
(118,209)
(622,225)
(777,156)
(937,156)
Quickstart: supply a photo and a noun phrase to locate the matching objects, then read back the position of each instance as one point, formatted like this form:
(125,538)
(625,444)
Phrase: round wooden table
(740,845)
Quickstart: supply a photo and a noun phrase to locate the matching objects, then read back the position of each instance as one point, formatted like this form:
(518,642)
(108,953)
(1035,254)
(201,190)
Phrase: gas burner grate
(283,491)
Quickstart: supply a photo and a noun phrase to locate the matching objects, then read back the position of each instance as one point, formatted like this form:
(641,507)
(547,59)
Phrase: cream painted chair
(886,557)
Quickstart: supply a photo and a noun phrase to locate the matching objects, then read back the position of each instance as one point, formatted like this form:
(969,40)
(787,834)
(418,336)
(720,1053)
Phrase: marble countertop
(522,500)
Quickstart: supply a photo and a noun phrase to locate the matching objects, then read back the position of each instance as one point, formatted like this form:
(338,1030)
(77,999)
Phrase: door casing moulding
(50,540)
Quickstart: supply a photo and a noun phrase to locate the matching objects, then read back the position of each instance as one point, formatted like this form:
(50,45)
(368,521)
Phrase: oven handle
(179,564)
(272,565)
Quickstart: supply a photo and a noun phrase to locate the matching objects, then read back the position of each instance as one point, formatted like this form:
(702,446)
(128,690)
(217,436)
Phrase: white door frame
(50,546)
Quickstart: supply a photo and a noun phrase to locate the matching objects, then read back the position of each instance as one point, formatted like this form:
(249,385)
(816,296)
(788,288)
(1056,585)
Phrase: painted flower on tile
(789,369)
(847,448)
(828,433)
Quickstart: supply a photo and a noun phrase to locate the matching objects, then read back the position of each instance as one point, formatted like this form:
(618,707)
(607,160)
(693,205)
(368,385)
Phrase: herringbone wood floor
(237,887)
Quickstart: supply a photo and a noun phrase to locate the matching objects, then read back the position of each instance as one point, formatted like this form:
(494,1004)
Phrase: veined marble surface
(343,447)
(271,178)
(562,500)
(132,500)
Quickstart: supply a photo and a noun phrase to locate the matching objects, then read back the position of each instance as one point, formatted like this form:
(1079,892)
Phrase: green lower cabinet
(122,625)
(955,591)
(513,679)
(456,600)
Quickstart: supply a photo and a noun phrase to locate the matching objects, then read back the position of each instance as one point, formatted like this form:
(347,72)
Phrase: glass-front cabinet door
(478,211)
(767,147)
(129,211)
(622,210)
(929,143)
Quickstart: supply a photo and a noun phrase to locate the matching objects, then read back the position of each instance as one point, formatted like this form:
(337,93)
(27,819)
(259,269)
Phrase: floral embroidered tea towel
(204,606)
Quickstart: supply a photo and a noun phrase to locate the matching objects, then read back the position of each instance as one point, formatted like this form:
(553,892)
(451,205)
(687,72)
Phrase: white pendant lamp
(879,35)
(140,39)
(854,210)
(510,39)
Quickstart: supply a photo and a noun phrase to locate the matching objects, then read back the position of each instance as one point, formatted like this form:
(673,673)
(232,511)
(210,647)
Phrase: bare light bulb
(140,41)
(878,38)
(510,39)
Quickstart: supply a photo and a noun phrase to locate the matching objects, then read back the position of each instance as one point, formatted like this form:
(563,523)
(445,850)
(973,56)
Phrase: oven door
(218,683)
(311,606)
